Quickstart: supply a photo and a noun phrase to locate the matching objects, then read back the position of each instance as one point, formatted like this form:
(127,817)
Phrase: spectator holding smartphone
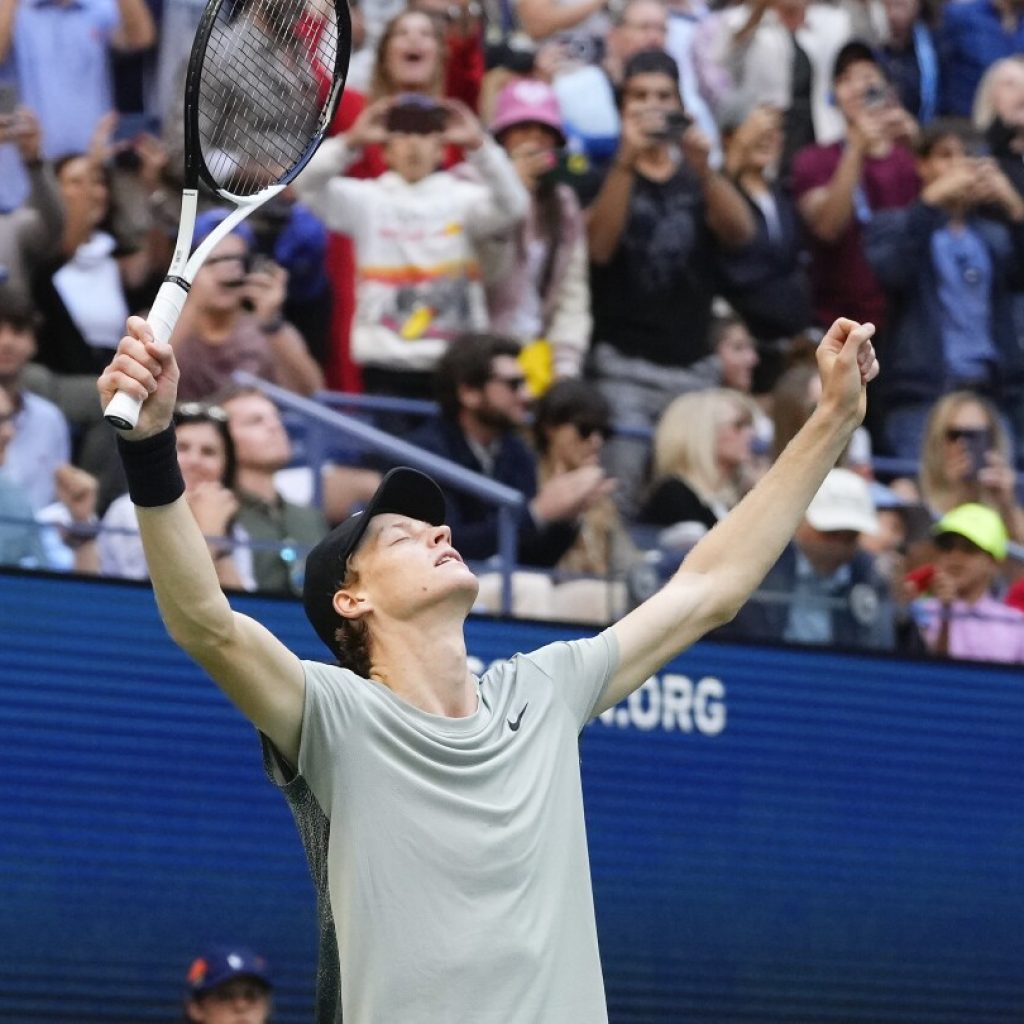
(652,233)
(233,320)
(966,457)
(415,231)
(839,187)
(950,263)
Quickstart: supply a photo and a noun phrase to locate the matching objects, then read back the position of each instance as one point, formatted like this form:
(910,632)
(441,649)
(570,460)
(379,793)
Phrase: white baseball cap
(843,503)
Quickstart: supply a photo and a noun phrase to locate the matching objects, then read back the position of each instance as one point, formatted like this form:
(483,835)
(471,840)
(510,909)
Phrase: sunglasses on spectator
(512,383)
(587,430)
(188,411)
(954,434)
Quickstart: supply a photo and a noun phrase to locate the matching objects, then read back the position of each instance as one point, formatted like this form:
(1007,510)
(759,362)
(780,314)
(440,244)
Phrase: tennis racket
(264,79)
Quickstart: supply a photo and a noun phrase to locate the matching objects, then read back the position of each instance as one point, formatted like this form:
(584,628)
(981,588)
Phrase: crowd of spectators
(604,236)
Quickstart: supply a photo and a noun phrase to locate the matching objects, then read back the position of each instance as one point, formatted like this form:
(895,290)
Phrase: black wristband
(151,466)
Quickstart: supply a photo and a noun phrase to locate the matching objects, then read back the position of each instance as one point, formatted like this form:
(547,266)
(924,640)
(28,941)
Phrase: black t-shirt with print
(653,299)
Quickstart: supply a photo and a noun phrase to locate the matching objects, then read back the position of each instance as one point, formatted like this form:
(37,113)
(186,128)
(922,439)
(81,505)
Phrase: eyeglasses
(587,430)
(199,411)
(512,383)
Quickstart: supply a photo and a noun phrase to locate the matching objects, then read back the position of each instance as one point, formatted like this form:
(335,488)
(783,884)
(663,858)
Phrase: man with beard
(482,391)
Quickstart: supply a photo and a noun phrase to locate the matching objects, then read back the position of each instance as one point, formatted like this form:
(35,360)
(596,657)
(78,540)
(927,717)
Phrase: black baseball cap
(404,491)
(856,51)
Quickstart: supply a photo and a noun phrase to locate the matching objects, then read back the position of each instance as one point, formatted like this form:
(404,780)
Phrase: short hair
(467,364)
(568,401)
(352,636)
(856,51)
(18,314)
(944,128)
(651,62)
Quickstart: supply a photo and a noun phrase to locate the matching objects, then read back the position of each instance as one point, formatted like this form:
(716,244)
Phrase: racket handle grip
(123,409)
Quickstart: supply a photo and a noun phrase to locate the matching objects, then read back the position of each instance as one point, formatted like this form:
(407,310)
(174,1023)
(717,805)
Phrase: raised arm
(729,563)
(256,671)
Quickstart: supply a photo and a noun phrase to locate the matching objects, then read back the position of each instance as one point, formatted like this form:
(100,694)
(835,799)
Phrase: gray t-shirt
(457,861)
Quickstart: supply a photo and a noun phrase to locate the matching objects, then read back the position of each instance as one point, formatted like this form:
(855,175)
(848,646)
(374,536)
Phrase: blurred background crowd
(584,248)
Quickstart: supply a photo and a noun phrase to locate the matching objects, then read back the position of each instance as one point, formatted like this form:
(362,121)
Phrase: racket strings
(264,89)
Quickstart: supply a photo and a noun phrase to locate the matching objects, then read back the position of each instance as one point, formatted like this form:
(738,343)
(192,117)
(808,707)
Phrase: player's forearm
(737,554)
(192,604)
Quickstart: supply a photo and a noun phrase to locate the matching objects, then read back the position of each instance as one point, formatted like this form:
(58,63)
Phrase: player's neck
(425,665)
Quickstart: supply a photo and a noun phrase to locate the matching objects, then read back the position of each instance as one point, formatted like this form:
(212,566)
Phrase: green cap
(981,525)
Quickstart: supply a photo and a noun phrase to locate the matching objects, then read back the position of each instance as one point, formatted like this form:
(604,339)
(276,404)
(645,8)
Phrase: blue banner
(775,835)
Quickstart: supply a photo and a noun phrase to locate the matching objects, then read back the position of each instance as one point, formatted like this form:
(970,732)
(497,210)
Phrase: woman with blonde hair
(703,460)
(999,113)
(966,457)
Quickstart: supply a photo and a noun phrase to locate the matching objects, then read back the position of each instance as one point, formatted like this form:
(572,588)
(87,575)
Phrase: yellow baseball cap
(981,525)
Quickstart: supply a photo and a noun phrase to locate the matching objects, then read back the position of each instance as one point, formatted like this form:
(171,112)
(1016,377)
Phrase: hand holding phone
(976,443)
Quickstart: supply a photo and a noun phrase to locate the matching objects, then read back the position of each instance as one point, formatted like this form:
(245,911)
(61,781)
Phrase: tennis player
(457,864)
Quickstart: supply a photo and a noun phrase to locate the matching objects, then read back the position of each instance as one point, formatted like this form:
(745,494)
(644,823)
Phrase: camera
(674,124)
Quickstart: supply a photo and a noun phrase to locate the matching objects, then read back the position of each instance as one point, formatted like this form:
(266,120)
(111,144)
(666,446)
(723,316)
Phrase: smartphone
(8,99)
(876,96)
(416,115)
(675,123)
(977,443)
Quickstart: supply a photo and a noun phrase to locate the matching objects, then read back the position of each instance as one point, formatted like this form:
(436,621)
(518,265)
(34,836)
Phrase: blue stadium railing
(323,425)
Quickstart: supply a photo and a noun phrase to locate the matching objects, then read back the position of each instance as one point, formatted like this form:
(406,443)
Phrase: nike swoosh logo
(515,725)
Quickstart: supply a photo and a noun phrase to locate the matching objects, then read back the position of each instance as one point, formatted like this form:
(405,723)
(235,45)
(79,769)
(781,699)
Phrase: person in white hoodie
(415,231)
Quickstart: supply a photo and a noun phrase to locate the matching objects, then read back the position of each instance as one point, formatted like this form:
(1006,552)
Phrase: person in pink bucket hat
(538,288)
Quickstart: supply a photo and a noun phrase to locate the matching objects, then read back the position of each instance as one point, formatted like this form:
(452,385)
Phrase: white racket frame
(123,409)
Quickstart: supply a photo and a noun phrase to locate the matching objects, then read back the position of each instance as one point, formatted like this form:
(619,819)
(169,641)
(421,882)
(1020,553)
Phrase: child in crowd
(959,615)
(415,231)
